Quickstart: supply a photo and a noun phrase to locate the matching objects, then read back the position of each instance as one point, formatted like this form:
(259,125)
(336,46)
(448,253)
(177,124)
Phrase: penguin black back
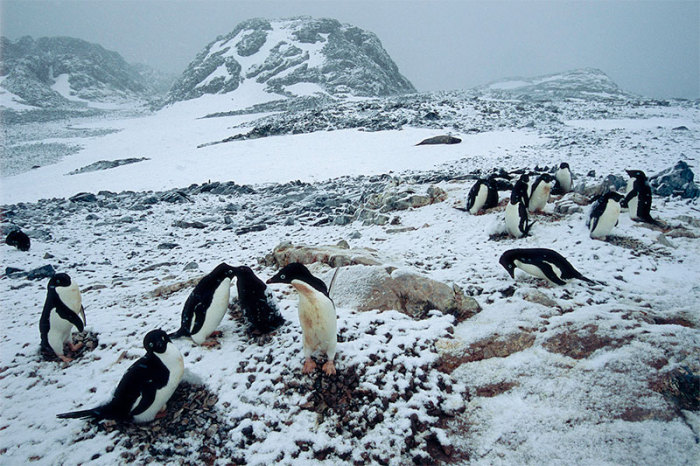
(18,239)
(298,271)
(520,190)
(543,259)
(258,307)
(642,191)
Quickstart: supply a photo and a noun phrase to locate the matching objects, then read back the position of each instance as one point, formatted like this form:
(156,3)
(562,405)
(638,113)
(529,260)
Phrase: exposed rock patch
(581,343)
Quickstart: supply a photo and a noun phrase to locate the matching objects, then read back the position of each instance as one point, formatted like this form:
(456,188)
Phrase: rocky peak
(292,57)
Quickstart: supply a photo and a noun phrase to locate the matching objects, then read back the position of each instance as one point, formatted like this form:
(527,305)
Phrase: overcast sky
(648,48)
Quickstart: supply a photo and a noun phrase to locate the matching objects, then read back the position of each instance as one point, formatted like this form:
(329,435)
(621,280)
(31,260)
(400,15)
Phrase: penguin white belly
(70,295)
(318,320)
(513,220)
(172,358)
(633,205)
(59,332)
(564,179)
(535,271)
(607,220)
(539,197)
(480,199)
(215,313)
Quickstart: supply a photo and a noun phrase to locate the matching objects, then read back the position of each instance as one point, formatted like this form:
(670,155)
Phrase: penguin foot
(216,334)
(161,413)
(210,343)
(329,368)
(310,366)
(64,358)
(75,347)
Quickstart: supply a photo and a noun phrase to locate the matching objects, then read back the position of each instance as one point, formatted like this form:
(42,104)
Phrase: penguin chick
(62,311)
(146,386)
(18,239)
(604,215)
(563,181)
(259,307)
(541,263)
(483,195)
(316,314)
(638,198)
(206,305)
(540,192)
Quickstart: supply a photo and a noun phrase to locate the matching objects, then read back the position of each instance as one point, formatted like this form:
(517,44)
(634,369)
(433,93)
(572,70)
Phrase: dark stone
(168,246)
(13,272)
(176,197)
(46,271)
(442,139)
(591,174)
(251,228)
(680,128)
(675,181)
(184,224)
(84,197)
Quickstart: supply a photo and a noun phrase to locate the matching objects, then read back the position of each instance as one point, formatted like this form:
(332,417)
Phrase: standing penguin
(316,314)
(638,199)
(63,309)
(146,386)
(483,195)
(18,239)
(258,305)
(521,189)
(563,182)
(604,215)
(540,192)
(541,263)
(206,305)
(517,220)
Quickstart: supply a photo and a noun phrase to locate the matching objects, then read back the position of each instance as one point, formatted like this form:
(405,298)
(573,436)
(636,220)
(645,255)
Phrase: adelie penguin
(18,239)
(517,220)
(604,215)
(206,305)
(541,263)
(563,181)
(638,198)
(539,195)
(483,195)
(146,386)
(316,314)
(63,310)
(259,307)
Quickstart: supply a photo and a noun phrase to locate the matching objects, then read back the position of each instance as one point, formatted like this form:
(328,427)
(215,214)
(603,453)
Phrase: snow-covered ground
(579,380)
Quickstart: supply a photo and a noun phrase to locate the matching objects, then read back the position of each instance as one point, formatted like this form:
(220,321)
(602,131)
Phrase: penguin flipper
(548,272)
(70,316)
(94,413)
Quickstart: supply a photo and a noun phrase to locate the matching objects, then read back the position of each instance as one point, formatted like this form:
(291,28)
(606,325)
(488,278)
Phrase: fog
(647,48)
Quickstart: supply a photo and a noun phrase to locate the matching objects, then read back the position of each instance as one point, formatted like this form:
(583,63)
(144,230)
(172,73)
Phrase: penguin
(206,305)
(483,195)
(316,314)
(146,386)
(638,198)
(258,305)
(541,189)
(521,188)
(562,179)
(541,263)
(517,220)
(604,215)
(63,309)
(18,239)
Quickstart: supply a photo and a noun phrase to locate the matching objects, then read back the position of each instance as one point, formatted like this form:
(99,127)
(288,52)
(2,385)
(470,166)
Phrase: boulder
(442,139)
(675,181)
(386,288)
(455,352)
(84,197)
(335,256)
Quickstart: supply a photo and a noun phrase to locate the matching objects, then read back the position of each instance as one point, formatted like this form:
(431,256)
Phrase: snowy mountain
(292,57)
(68,73)
(586,83)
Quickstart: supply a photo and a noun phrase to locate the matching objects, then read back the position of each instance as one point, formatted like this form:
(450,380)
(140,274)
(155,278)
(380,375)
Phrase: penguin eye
(282,277)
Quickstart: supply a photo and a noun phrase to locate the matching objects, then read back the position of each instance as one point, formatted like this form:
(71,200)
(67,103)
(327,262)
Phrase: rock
(386,288)
(661,239)
(537,297)
(106,165)
(184,224)
(14,272)
(681,387)
(84,197)
(191,266)
(442,139)
(454,352)
(168,246)
(176,197)
(251,228)
(570,203)
(675,181)
(681,128)
(46,271)
(581,343)
(334,256)
(165,291)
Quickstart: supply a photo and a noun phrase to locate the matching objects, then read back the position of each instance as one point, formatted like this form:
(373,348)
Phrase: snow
(559,409)
(506,85)
(62,86)
(10,100)
(302,89)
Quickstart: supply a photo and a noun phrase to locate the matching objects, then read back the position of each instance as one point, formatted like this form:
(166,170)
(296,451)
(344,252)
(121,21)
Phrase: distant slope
(292,57)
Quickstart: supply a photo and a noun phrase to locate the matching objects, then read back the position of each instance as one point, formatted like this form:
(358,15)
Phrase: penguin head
(638,174)
(224,270)
(564,165)
(156,341)
(59,279)
(546,178)
(507,260)
(293,271)
(615,196)
(243,271)
(524,178)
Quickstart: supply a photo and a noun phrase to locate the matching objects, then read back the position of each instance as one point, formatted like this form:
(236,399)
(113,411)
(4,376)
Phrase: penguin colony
(146,387)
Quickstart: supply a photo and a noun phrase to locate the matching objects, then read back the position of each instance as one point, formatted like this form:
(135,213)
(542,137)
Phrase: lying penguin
(146,386)
(259,307)
(638,198)
(62,311)
(483,195)
(18,239)
(206,305)
(541,263)
(604,215)
(316,314)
